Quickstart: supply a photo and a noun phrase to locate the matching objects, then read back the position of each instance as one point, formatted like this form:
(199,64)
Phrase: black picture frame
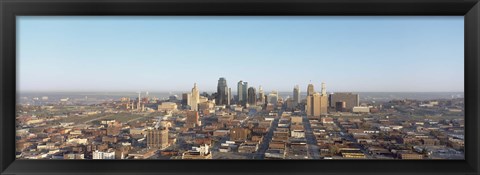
(9,9)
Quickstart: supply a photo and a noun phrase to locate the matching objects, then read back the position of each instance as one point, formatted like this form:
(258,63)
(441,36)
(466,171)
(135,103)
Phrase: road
(313,151)
(350,138)
(267,138)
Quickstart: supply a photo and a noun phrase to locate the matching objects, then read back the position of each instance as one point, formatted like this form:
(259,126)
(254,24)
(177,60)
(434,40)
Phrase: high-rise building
(296,96)
(195,99)
(245,91)
(222,92)
(158,137)
(185,98)
(252,96)
(324,89)
(242,92)
(229,96)
(351,100)
(261,95)
(310,90)
(317,104)
(273,98)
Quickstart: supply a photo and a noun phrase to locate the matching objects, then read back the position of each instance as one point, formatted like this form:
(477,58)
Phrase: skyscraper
(185,99)
(245,95)
(317,104)
(229,96)
(323,100)
(296,96)
(324,89)
(273,98)
(242,92)
(252,96)
(222,92)
(261,95)
(195,99)
(310,90)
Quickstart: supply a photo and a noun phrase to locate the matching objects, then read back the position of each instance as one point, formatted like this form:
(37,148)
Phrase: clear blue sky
(359,54)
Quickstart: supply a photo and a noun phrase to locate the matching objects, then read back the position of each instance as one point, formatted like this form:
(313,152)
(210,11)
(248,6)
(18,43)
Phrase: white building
(361,109)
(167,106)
(103,155)
(298,133)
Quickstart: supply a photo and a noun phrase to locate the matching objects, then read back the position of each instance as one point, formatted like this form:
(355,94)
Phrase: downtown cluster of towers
(316,103)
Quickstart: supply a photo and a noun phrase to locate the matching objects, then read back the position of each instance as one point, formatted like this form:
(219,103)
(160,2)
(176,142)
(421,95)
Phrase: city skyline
(229,47)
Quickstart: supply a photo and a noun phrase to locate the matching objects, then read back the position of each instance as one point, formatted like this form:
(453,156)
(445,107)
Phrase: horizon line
(72,91)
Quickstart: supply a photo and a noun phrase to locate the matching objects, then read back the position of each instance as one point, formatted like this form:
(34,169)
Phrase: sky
(160,53)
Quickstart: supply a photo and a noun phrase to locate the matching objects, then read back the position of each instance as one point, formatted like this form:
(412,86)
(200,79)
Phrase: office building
(296,96)
(261,96)
(229,96)
(242,93)
(317,103)
(273,98)
(340,106)
(351,100)
(185,98)
(188,99)
(310,90)
(252,96)
(222,92)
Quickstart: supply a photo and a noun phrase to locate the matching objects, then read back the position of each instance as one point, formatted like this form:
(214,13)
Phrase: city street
(267,138)
(313,151)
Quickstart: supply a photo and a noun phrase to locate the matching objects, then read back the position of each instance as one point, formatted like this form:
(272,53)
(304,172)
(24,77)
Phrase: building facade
(195,99)
(310,90)
(242,93)
(157,138)
(252,96)
(317,103)
(296,96)
(351,100)
(222,92)
(192,119)
(103,155)
(261,96)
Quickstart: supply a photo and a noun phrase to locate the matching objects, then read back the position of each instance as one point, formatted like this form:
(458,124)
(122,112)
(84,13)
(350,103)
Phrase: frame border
(9,9)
